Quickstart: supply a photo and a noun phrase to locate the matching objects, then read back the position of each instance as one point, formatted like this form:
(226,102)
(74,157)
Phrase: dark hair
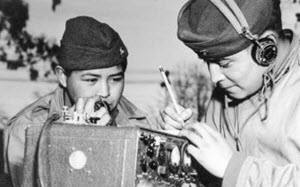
(124,65)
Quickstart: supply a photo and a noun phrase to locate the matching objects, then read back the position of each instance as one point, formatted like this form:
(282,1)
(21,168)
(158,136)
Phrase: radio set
(162,159)
(79,155)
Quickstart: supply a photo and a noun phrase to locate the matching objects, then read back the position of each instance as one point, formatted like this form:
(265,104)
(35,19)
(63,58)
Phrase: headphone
(264,50)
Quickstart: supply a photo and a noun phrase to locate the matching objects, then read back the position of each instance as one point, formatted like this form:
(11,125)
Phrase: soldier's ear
(61,76)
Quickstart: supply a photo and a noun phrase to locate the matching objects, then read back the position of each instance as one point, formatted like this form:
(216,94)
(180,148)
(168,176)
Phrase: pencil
(169,88)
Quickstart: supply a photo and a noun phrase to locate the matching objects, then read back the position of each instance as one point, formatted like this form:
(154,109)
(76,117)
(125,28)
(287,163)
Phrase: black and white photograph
(149,93)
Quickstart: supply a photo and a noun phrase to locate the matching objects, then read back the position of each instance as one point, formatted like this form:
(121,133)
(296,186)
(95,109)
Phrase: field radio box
(80,155)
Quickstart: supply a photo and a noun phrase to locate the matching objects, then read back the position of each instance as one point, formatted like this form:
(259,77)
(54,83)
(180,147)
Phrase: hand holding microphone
(92,110)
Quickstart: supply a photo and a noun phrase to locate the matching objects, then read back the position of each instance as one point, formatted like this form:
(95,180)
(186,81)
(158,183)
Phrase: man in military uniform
(250,136)
(92,63)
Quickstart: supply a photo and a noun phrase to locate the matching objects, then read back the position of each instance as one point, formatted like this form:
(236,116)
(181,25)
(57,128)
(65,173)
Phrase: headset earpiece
(264,51)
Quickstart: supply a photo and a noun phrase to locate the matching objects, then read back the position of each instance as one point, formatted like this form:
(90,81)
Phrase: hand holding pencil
(174,115)
(169,88)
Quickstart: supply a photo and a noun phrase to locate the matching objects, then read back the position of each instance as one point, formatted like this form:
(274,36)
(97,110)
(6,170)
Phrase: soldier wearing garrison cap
(92,63)
(250,135)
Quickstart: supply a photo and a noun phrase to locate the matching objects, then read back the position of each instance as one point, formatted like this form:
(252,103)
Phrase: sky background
(148,27)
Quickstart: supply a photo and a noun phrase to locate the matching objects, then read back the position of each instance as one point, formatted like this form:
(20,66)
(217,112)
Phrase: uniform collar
(57,101)
(127,111)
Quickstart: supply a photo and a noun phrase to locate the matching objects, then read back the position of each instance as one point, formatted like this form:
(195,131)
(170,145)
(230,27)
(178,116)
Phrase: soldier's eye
(90,80)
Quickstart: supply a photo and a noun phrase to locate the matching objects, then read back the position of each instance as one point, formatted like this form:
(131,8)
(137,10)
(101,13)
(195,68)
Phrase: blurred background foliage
(192,86)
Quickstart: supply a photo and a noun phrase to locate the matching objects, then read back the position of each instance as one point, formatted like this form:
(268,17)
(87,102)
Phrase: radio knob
(150,152)
(153,165)
(151,140)
(144,139)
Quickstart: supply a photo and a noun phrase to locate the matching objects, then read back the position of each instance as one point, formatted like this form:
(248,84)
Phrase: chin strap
(234,15)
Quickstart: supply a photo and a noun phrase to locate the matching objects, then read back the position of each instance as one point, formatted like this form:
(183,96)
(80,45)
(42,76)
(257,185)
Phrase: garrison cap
(203,28)
(89,44)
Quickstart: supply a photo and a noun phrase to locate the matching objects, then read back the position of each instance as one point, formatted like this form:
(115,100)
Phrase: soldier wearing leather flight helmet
(250,136)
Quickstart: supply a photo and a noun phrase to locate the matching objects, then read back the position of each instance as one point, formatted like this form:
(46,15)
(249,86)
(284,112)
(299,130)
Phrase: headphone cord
(277,70)
(272,76)
(235,16)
